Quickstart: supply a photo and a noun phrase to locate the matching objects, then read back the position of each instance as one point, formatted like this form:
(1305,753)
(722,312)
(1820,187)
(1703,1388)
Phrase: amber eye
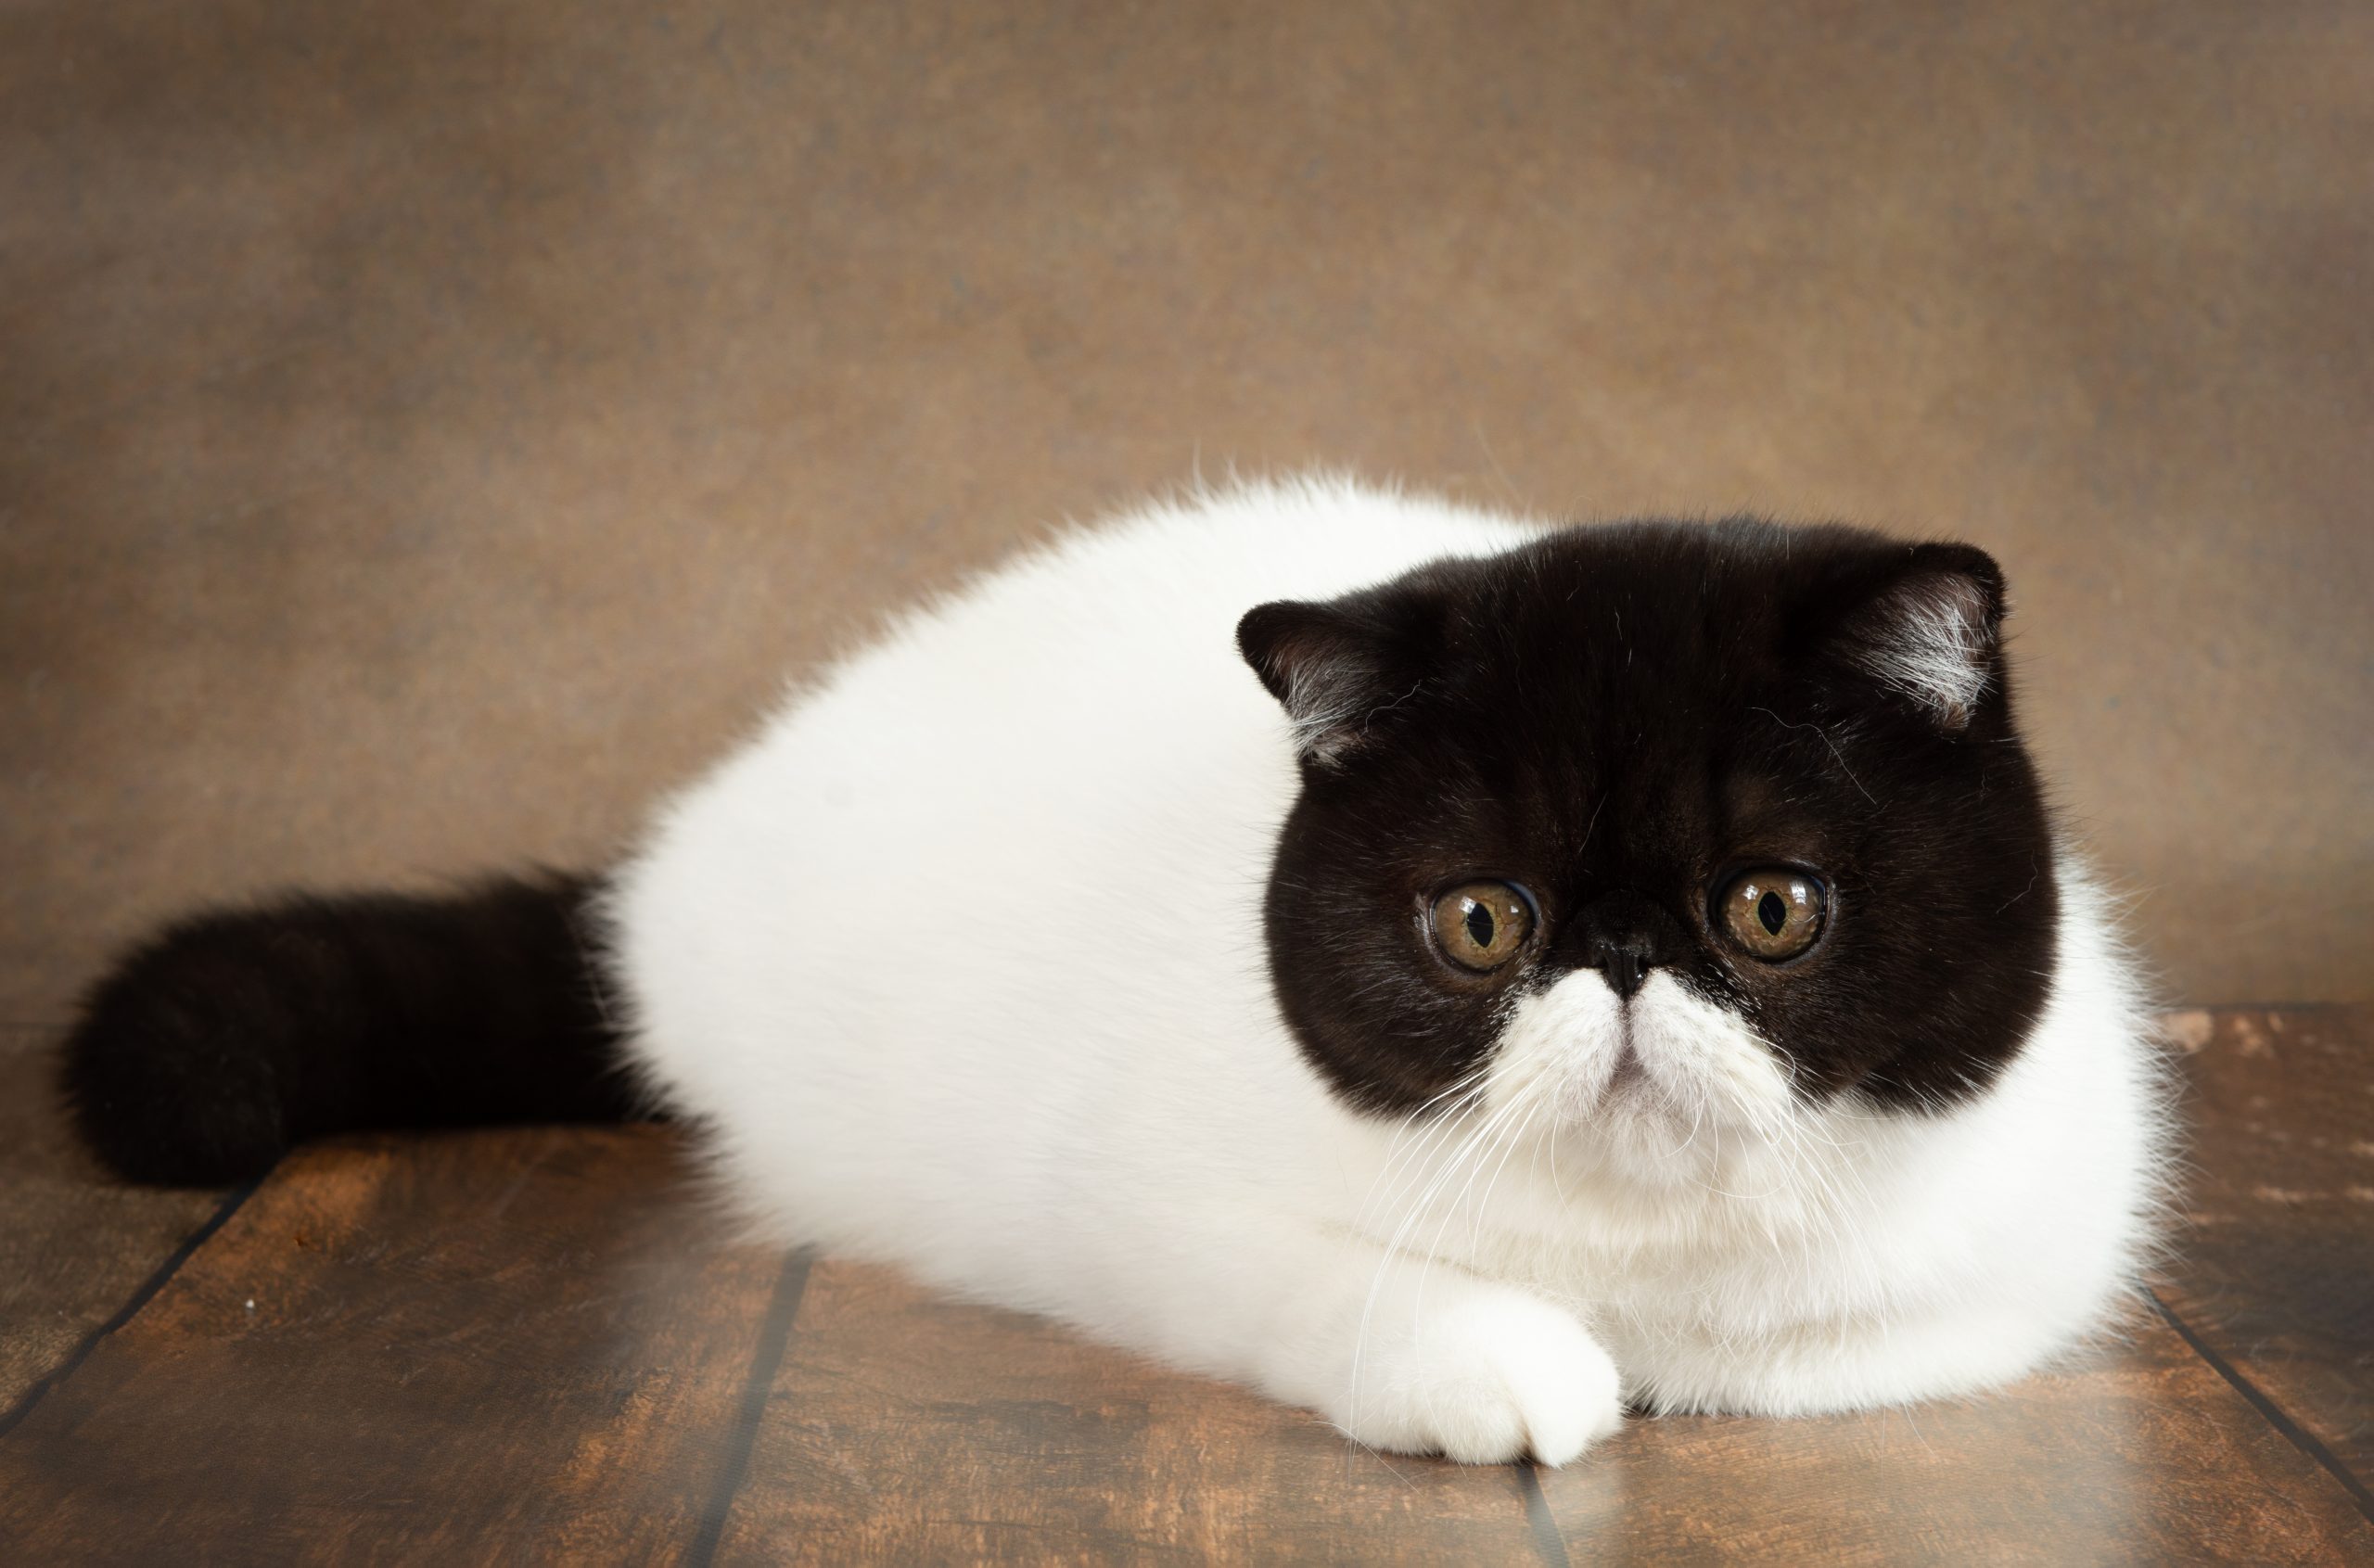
(1772,911)
(1481,925)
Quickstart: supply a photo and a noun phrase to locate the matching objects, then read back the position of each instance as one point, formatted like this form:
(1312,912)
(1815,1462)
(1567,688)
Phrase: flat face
(1742,805)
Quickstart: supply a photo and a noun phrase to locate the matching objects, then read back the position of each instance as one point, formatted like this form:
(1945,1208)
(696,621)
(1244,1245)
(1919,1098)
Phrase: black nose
(1624,963)
(1623,936)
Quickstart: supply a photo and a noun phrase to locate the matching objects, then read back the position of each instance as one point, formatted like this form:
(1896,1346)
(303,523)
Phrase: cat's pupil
(1772,910)
(1479,926)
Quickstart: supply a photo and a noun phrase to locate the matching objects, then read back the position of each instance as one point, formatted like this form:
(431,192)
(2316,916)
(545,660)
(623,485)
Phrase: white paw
(1489,1376)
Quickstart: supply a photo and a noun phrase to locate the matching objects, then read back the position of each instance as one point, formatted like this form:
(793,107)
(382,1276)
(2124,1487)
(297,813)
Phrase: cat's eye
(1481,925)
(1772,911)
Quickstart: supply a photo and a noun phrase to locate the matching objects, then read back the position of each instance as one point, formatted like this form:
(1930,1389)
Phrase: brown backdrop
(426,428)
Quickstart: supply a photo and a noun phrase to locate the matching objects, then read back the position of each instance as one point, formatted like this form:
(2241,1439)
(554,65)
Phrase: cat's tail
(232,1035)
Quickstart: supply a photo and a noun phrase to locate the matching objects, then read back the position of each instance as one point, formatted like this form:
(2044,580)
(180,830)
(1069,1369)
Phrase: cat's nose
(1624,963)
(1623,936)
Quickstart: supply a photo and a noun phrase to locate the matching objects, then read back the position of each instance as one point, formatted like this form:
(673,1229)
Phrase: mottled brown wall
(425,429)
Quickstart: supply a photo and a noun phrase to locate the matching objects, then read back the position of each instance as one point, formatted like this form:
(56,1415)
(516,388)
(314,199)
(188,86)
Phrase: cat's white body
(959,965)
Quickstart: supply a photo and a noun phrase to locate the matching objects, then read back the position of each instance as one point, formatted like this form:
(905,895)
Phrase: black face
(1776,764)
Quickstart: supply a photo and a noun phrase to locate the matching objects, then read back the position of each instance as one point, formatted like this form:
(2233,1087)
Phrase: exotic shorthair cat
(1455,974)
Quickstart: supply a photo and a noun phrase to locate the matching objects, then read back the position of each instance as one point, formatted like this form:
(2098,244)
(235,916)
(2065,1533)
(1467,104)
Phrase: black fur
(233,1035)
(1615,719)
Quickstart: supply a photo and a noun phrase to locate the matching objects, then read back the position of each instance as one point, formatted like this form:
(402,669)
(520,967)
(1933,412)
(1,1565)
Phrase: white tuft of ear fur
(1325,706)
(1932,638)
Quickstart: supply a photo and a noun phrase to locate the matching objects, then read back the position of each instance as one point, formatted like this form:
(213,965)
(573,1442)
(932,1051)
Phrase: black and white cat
(1566,967)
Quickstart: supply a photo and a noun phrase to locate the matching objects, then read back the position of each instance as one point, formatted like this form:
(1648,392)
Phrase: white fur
(959,965)
(1934,646)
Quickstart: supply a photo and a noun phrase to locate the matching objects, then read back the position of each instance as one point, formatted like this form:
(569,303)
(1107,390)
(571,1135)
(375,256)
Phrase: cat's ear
(1333,665)
(1929,631)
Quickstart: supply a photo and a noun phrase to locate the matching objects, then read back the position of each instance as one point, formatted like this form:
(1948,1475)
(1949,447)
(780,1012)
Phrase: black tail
(212,1049)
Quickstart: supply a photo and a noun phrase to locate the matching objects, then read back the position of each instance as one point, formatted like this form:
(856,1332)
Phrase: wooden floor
(531,1346)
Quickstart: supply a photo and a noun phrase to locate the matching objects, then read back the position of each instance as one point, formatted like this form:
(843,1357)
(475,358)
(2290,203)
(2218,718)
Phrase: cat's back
(1019,840)
(1151,598)
(1105,658)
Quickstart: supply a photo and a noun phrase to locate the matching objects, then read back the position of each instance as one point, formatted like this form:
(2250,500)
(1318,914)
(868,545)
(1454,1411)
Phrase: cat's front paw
(1489,1376)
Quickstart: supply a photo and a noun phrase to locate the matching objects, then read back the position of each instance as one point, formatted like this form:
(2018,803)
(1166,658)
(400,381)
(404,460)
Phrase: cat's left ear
(1931,632)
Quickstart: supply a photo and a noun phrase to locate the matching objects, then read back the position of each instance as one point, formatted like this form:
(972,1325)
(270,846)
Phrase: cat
(1453,974)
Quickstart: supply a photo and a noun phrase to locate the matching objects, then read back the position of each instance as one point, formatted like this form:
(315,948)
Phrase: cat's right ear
(1332,667)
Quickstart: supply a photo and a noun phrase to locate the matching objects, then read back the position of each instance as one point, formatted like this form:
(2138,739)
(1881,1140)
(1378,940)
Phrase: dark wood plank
(2144,1456)
(906,1428)
(74,1247)
(454,1349)
(2276,1270)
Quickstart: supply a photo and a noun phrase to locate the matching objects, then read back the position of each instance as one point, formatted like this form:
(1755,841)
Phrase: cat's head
(1660,821)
